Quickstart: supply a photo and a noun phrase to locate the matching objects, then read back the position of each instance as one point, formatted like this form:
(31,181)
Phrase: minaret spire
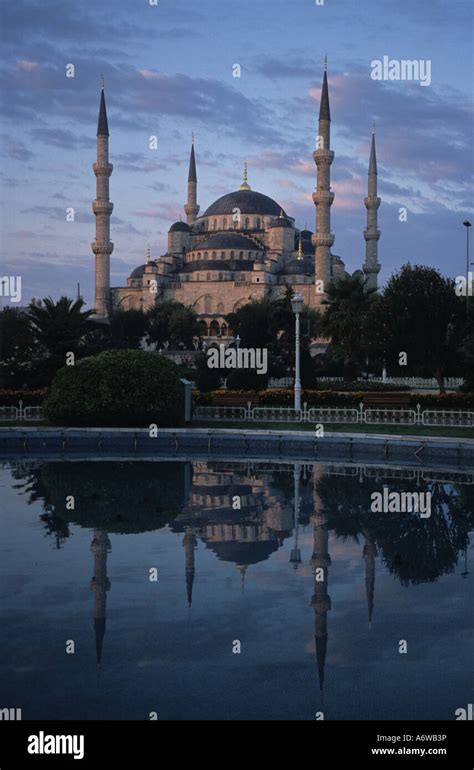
(191,208)
(372,233)
(102,208)
(323,196)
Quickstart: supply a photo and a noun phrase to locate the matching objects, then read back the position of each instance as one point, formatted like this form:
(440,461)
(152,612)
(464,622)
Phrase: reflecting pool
(233,590)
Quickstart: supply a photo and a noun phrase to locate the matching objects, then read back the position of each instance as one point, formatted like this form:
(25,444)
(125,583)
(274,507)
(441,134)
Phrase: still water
(284,562)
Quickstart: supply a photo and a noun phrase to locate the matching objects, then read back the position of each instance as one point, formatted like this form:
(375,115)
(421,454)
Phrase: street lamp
(237,341)
(467,225)
(297,307)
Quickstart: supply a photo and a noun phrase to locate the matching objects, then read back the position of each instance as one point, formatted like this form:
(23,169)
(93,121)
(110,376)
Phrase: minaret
(189,544)
(372,233)
(321,601)
(100,584)
(102,208)
(191,208)
(323,197)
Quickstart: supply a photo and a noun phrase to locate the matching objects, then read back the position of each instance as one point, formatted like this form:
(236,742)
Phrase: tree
(348,303)
(17,348)
(419,314)
(173,323)
(127,328)
(59,327)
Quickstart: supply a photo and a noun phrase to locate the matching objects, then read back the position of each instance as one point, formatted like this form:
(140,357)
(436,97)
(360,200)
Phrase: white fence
(21,414)
(419,383)
(333,415)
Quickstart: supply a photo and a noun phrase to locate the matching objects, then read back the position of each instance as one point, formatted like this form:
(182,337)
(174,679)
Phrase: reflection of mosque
(245,536)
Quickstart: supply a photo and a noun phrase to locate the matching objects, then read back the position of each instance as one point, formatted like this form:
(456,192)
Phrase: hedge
(10,397)
(285,397)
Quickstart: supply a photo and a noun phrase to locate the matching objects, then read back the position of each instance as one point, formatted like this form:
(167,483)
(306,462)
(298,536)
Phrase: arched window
(199,255)
(258,223)
(241,255)
(208,304)
(232,255)
(224,330)
(214,329)
(224,223)
(203,331)
(220,308)
(220,276)
(247,223)
(215,224)
(250,254)
(208,277)
(222,254)
(214,255)
(206,254)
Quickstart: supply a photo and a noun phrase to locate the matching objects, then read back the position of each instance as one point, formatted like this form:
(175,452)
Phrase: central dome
(248,201)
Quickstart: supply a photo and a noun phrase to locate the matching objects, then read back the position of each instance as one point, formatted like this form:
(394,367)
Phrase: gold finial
(245,185)
(326,63)
(300,250)
(281,214)
(102,84)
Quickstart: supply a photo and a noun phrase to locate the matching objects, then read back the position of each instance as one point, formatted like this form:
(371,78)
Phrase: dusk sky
(168,71)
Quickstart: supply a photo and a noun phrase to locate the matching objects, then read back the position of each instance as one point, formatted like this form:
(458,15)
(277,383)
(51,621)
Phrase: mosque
(243,247)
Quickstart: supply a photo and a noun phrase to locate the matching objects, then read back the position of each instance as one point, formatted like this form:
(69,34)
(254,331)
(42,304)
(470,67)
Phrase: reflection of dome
(247,201)
(244,553)
(179,227)
(138,272)
(227,241)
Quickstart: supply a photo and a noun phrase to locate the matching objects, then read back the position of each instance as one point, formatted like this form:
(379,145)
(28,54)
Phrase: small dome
(280,222)
(138,272)
(179,227)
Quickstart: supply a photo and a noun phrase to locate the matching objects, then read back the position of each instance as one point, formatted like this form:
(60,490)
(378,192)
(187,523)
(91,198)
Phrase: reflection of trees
(416,550)
(122,497)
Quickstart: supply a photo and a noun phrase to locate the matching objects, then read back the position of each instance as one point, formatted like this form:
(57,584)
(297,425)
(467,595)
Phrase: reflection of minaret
(369,553)
(100,584)
(189,544)
(321,602)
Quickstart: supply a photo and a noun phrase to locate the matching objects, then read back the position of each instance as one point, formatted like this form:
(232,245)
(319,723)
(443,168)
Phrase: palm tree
(348,302)
(59,327)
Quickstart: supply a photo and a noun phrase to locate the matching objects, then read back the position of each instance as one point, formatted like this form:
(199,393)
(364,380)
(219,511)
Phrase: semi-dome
(179,227)
(247,201)
(228,240)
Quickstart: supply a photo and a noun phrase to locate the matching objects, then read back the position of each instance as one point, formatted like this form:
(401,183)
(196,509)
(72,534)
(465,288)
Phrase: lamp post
(297,307)
(467,225)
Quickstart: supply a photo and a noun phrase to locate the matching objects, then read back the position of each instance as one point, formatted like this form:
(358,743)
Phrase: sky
(169,70)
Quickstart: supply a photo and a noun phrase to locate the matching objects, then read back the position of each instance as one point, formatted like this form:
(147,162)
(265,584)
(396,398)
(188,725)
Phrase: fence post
(20,411)
(360,416)
(304,415)
(187,399)
(249,410)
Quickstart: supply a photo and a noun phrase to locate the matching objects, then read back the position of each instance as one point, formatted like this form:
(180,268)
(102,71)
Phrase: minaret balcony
(102,168)
(369,269)
(372,202)
(372,235)
(322,239)
(102,247)
(102,207)
(323,156)
(326,197)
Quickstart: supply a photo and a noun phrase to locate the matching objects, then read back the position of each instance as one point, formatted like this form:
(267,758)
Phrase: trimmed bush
(246,379)
(117,388)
